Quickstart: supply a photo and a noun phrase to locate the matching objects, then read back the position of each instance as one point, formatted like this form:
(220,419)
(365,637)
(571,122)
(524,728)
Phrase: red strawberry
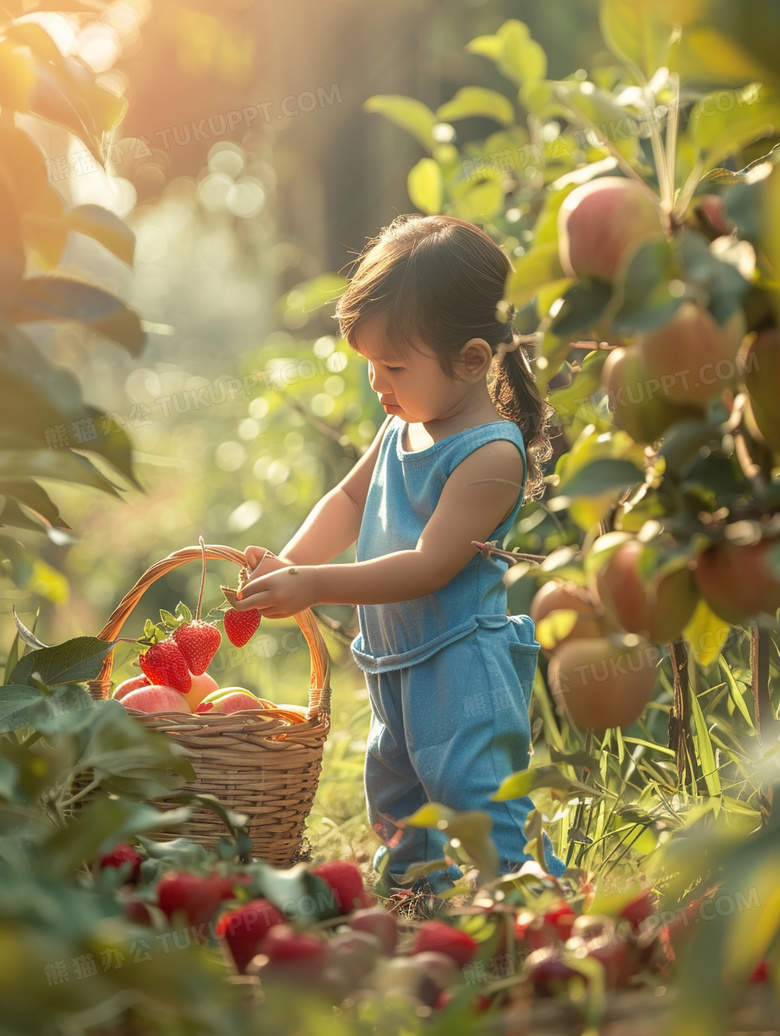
(283,943)
(229,884)
(478,1003)
(241,626)
(762,971)
(120,854)
(198,641)
(539,930)
(197,898)
(346,881)
(164,664)
(243,929)
(378,922)
(138,912)
(439,937)
(639,910)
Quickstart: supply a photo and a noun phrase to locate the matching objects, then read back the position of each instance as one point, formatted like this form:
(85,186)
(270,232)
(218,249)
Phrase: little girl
(449,673)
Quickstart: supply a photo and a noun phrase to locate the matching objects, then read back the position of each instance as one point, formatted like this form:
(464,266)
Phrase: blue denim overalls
(449,675)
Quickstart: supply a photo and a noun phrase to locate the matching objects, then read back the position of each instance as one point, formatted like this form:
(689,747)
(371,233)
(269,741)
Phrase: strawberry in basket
(198,641)
(179,651)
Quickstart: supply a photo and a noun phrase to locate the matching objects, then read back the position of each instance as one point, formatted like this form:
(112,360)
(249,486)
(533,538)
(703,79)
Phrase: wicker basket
(252,763)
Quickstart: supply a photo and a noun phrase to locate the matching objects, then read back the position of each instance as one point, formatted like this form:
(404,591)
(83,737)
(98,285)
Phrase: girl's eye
(395,368)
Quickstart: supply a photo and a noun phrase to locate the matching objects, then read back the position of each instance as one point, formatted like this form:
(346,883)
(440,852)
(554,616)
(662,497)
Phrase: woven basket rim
(319,691)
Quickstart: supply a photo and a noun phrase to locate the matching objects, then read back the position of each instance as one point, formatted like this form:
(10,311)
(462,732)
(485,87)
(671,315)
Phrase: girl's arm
(333,523)
(476,499)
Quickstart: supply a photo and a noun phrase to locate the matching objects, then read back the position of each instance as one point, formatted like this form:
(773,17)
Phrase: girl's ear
(475,358)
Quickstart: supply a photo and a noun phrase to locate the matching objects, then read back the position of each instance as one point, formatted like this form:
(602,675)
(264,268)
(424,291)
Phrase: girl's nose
(374,379)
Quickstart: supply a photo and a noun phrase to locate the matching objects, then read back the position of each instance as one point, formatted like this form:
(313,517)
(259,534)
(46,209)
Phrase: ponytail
(517,398)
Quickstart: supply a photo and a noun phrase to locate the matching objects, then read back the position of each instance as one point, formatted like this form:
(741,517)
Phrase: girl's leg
(393,789)
(483,681)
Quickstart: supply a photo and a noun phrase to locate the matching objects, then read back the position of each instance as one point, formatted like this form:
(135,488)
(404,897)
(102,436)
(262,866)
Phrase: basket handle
(319,683)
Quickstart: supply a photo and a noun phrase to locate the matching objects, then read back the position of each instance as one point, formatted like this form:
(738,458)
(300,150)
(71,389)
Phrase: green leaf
(42,406)
(289,889)
(539,266)
(11,250)
(68,709)
(554,351)
(26,635)
(8,780)
(579,758)
(721,133)
(734,50)
(736,695)
(513,51)
(308,297)
(16,704)
(408,113)
(470,827)
(65,298)
(105,227)
(583,306)
(643,298)
(95,824)
(574,400)
(556,627)
(63,465)
(471,101)
(588,107)
(601,476)
(546,225)
(518,785)
(706,633)
(65,88)
(482,202)
(34,497)
(71,662)
(176,854)
(683,441)
(703,744)
(425,186)
(229,817)
(635,31)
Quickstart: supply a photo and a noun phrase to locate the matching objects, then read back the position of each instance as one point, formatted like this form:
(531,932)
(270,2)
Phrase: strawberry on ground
(439,937)
(229,883)
(120,854)
(163,663)
(294,957)
(243,929)
(241,626)
(346,881)
(198,641)
(283,942)
(639,910)
(198,898)
(138,912)
(479,1002)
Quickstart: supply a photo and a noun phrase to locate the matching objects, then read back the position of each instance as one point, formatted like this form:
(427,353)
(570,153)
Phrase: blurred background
(252,174)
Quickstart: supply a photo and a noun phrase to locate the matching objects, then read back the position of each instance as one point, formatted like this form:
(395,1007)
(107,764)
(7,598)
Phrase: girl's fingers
(249,601)
(254,555)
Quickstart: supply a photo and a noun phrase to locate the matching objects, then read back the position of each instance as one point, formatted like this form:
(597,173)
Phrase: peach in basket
(229,699)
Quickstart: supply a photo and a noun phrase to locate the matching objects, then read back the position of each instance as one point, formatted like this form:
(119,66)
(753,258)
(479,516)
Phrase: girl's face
(415,387)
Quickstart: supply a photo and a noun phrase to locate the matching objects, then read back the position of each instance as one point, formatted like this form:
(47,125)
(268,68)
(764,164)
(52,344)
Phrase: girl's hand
(280,594)
(261,563)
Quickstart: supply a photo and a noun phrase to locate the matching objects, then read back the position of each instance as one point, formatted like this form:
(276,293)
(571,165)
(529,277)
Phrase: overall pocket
(440,693)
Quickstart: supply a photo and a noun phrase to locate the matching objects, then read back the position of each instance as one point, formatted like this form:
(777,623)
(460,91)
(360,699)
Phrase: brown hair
(440,280)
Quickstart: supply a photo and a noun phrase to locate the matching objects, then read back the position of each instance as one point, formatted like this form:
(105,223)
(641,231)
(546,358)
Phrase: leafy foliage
(45,421)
